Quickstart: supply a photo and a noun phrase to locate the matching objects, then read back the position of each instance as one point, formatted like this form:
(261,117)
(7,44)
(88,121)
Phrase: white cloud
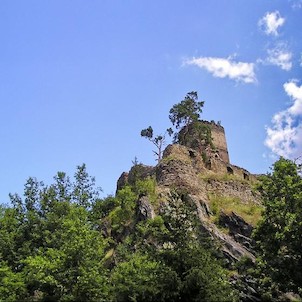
(295,92)
(280,56)
(271,22)
(296,4)
(221,68)
(284,138)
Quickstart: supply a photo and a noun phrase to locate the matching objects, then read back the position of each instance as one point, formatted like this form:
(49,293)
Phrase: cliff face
(222,194)
(183,169)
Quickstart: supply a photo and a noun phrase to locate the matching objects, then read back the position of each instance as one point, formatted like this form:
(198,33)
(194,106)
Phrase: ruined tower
(219,140)
(190,138)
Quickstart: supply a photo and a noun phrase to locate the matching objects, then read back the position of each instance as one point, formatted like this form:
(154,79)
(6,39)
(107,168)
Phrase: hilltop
(194,227)
(223,194)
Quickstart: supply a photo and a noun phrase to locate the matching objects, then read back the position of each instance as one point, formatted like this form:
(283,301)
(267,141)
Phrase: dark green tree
(84,191)
(50,249)
(175,240)
(62,243)
(187,111)
(143,279)
(185,117)
(279,234)
(70,268)
(12,286)
(188,251)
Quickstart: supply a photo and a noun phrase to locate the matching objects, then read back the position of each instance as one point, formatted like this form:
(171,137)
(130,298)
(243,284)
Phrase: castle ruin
(217,156)
(219,140)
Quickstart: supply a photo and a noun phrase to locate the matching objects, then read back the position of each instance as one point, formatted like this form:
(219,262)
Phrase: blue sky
(80,79)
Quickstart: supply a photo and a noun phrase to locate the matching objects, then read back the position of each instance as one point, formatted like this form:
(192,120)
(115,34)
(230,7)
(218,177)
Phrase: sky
(79,80)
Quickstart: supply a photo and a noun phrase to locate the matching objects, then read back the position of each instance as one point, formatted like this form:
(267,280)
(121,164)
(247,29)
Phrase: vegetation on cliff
(188,130)
(279,233)
(180,231)
(63,243)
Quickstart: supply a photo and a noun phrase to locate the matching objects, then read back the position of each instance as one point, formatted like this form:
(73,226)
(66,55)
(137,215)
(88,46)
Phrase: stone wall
(219,140)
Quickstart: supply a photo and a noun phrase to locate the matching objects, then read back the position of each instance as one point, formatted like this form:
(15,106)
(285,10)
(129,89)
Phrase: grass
(250,211)
(223,177)
(147,187)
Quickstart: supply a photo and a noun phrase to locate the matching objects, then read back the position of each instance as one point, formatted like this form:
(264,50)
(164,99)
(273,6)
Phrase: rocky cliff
(221,193)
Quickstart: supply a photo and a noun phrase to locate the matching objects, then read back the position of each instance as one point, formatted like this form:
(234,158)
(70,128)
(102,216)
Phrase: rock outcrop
(144,209)
(184,170)
(204,175)
(239,229)
(202,170)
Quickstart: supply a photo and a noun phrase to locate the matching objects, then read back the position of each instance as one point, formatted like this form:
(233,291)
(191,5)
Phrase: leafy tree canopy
(279,235)
(187,111)
(63,243)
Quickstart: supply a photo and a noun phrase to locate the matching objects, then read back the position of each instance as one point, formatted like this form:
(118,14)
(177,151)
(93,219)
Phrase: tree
(50,249)
(279,234)
(175,240)
(12,286)
(158,140)
(70,268)
(196,135)
(186,114)
(143,279)
(187,111)
(84,191)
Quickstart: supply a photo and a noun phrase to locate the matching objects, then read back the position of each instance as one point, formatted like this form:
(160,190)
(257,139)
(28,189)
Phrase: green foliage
(224,177)
(196,135)
(147,133)
(187,111)
(249,211)
(158,141)
(10,236)
(205,279)
(12,286)
(186,251)
(121,217)
(279,233)
(49,249)
(185,116)
(72,271)
(84,191)
(168,259)
(146,187)
(102,208)
(143,279)
(52,247)
(137,172)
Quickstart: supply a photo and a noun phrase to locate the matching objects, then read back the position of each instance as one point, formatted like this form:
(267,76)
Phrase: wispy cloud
(284,137)
(222,68)
(295,92)
(296,4)
(271,22)
(280,56)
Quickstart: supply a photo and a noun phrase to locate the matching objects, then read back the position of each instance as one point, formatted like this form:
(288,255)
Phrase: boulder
(144,209)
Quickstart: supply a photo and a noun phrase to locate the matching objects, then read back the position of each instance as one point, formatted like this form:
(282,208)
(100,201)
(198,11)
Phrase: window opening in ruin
(246,176)
(191,153)
(230,170)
